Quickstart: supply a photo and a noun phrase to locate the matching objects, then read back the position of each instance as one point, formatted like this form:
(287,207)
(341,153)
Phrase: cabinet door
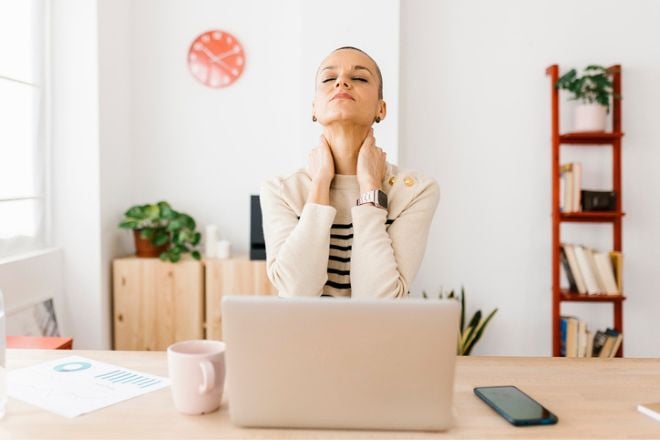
(156,303)
(232,277)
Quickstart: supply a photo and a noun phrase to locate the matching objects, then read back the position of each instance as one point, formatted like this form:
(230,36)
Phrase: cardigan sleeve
(385,261)
(297,249)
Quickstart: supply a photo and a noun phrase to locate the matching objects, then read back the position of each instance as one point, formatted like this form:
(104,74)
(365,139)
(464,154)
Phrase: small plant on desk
(468,335)
(160,231)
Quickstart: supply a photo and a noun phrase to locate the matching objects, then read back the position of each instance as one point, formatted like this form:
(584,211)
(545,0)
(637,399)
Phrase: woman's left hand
(370,164)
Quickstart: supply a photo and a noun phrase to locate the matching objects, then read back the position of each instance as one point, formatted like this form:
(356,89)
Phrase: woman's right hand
(321,165)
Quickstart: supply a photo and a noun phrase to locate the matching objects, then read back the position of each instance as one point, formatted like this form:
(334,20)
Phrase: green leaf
(465,336)
(189,221)
(196,255)
(174,225)
(462,307)
(161,238)
(175,257)
(196,239)
(135,212)
(475,319)
(479,331)
(167,213)
(147,233)
(164,256)
(151,212)
(128,224)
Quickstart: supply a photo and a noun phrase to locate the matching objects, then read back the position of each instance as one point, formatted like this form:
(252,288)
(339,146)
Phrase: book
(606,272)
(575,268)
(617,264)
(572,286)
(650,409)
(617,344)
(581,338)
(612,340)
(571,336)
(585,269)
(590,344)
(566,174)
(599,341)
(562,336)
(594,269)
(577,187)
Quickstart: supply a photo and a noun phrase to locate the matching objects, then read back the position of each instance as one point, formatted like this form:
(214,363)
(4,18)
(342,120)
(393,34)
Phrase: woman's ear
(381,112)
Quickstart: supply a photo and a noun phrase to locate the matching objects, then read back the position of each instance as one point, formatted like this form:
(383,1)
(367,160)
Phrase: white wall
(475,112)
(75,168)
(116,176)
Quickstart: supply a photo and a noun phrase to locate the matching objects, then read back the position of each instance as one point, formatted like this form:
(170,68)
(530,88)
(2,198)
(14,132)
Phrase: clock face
(216,59)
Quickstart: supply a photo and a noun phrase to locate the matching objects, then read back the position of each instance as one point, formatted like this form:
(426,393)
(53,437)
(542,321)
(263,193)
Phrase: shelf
(612,138)
(590,138)
(565,295)
(591,216)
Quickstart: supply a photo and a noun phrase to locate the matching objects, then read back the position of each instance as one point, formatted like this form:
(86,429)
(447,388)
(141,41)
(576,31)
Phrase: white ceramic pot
(590,117)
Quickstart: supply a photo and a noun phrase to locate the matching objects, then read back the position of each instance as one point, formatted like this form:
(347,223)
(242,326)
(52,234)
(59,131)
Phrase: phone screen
(515,406)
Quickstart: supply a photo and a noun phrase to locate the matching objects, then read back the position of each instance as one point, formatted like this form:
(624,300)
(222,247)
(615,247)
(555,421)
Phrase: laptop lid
(340,363)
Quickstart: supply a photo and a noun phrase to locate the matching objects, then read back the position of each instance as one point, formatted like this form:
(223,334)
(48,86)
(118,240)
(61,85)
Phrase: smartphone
(515,406)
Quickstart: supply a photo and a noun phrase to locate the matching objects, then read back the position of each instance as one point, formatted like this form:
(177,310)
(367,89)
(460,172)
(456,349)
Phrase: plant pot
(145,248)
(590,117)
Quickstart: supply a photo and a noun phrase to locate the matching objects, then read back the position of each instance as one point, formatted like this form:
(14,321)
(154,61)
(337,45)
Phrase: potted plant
(468,335)
(160,231)
(593,89)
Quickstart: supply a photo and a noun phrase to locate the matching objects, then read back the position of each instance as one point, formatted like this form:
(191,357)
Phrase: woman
(351,224)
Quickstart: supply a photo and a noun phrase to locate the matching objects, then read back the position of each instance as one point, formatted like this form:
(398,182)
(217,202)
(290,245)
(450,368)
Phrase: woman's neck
(345,141)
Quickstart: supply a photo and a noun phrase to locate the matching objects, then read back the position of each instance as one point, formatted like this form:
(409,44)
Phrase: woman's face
(347,89)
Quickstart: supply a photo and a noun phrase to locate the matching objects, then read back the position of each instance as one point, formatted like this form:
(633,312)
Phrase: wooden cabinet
(236,276)
(157,303)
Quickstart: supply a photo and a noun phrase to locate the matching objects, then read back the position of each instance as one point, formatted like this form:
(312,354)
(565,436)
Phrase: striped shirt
(342,249)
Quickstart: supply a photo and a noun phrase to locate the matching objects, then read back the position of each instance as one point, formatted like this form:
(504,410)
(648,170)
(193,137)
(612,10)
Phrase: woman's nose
(342,82)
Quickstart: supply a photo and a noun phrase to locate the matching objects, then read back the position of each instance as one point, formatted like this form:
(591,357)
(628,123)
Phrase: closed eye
(328,79)
(360,79)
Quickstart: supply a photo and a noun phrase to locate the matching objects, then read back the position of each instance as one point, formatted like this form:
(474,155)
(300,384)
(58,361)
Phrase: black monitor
(257,242)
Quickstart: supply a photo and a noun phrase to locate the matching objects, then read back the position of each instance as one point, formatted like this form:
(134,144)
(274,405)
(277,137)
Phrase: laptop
(340,363)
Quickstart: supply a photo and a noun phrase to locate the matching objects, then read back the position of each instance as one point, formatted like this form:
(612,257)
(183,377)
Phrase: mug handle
(208,374)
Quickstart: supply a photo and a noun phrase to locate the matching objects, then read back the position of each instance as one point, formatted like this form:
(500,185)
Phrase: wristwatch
(375,196)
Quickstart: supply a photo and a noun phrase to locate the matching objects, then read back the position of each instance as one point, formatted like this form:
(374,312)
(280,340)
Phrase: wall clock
(216,59)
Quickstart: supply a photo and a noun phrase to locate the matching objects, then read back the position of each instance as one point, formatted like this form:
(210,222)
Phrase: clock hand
(227,53)
(208,52)
(217,60)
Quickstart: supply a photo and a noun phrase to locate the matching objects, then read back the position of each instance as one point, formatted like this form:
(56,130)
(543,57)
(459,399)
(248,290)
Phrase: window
(23,199)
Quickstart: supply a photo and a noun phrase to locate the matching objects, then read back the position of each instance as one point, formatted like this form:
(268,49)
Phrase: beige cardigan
(343,249)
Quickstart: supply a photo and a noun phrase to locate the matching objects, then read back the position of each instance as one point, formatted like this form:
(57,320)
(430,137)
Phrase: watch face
(382,199)
(216,59)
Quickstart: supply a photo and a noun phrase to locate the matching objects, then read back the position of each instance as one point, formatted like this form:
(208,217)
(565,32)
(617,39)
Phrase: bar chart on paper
(75,385)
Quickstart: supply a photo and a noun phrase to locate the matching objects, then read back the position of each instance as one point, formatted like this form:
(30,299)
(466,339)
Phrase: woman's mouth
(343,95)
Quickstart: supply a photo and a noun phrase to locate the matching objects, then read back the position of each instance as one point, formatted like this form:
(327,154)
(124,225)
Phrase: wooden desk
(593,398)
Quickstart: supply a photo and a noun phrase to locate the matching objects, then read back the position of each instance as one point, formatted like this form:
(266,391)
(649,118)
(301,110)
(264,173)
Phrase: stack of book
(578,341)
(591,272)
(570,187)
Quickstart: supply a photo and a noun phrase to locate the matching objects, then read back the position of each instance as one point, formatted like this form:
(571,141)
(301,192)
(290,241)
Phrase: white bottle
(3,365)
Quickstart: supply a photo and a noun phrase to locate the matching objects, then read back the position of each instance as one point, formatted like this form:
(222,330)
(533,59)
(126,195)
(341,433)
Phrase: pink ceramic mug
(197,373)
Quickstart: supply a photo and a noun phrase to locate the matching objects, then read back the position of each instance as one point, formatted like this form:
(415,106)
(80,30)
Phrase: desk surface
(593,398)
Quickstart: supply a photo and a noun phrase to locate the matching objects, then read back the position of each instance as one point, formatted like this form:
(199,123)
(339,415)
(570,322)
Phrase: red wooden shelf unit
(608,139)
